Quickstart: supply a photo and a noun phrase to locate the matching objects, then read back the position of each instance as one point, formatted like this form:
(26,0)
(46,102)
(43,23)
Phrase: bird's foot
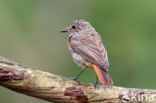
(95,84)
(75,79)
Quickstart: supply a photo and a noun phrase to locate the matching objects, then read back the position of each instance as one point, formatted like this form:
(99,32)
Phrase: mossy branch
(58,89)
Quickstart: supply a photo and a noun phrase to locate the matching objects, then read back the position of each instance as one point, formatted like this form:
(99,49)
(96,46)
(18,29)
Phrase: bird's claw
(75,79)
(95,84)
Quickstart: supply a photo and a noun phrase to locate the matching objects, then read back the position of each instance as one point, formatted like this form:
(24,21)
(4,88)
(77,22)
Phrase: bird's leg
(78,75)
(96,82)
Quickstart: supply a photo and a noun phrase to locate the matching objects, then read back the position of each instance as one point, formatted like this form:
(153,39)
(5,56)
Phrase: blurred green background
(29,34)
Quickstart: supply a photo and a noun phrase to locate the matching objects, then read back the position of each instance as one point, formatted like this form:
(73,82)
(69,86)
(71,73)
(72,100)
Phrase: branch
(58,89)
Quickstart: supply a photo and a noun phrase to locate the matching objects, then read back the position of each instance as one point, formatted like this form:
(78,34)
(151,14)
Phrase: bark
(59,89)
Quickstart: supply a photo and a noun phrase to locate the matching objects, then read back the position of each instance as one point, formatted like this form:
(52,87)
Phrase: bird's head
(78,26)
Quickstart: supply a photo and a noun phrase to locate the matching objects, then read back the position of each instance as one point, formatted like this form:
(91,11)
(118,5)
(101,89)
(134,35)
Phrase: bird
(87,50)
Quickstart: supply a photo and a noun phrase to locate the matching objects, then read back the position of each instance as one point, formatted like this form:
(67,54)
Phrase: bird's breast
(78,59)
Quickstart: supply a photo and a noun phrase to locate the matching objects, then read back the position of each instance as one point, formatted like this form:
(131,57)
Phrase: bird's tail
(102,75)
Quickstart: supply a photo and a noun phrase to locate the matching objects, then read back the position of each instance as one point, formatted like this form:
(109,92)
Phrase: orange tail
(102,75)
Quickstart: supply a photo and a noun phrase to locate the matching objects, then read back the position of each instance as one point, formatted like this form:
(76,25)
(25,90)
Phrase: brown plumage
(87,49)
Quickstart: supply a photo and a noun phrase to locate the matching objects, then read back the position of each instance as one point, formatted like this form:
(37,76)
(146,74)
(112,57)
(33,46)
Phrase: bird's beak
(64,31)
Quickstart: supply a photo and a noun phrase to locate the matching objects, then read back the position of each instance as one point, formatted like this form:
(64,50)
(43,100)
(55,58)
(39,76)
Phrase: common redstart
(87,49)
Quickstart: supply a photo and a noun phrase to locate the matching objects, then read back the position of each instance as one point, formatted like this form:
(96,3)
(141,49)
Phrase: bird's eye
(73,27)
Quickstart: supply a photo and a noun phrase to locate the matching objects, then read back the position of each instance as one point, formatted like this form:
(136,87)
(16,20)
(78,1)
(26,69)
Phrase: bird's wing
(90,47)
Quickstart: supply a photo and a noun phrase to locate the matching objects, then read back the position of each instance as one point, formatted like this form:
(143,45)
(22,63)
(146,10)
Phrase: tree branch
(58,89)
